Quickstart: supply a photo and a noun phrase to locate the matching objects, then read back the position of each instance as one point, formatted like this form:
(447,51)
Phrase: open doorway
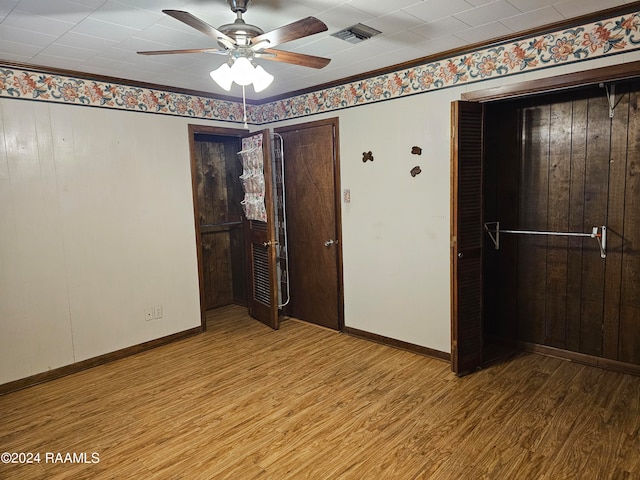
(217,194)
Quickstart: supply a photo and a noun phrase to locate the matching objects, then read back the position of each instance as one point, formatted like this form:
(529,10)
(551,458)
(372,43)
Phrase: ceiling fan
(241,40)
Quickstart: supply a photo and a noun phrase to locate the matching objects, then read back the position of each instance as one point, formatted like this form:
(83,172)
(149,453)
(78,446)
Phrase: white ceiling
(102,36)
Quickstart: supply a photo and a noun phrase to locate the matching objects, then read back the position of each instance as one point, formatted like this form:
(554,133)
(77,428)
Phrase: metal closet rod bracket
(599,233)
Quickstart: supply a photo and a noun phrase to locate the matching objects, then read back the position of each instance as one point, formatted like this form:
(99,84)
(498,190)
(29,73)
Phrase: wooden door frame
(194,130)
(524,89)
(335,122)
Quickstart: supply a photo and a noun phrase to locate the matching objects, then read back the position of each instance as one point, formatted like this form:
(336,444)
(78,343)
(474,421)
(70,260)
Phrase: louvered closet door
(261,252)
(466,237)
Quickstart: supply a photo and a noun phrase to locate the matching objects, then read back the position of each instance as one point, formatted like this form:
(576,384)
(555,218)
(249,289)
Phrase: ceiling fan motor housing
(239,5)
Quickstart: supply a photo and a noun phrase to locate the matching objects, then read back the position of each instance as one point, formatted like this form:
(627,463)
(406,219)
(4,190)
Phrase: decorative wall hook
(416,151)
(415,171)
(367,156)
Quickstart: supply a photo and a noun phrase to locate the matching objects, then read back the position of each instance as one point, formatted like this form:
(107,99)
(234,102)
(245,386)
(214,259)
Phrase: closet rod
(599,233)
(220,224)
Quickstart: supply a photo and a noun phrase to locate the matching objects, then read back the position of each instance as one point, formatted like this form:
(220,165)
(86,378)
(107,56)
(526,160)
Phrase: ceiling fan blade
(293,31)
(200,25)
(188,50)
(301,59)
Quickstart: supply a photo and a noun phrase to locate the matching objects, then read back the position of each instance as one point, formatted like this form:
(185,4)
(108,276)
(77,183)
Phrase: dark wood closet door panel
(558,221)
(615,224)
(260,241)
(533,210)
(466,237)
(576,222)
(630,291)
(595,213)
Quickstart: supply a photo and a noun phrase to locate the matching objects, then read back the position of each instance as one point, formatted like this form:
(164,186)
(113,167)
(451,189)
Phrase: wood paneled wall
(219,196)
(560,163)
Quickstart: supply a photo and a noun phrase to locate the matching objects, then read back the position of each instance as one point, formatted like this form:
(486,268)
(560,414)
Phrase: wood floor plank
(244,402)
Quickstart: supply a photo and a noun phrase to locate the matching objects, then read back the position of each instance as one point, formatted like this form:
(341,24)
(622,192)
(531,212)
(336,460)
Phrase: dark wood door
(312,193)
(261,244)
(466,237)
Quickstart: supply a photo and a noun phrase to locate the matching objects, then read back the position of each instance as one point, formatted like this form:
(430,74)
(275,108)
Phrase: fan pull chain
(244,105)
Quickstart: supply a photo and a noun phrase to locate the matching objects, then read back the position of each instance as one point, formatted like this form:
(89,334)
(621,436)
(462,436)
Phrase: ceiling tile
(381,7)
(18,35)
(65,51)
(439,28)
(575,8)
(90,3)
(120,14)
(483,32)
(430,10)
(396,41)
(25,20)
(98,28)
(343,17)
(75,39)
(394,22)
(56,62)
(59,9)
(440,44)
(8,49)
(322,5)
(176,38)
(532,19)
(102,61)
(479,3)
(323,47)
(135,44)
(528,5)
(488,13)
(6,6)
(155,5)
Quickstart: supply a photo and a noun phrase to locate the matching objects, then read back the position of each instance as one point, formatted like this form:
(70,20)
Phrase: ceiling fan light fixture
(261,79)
(242,71)
(223,76)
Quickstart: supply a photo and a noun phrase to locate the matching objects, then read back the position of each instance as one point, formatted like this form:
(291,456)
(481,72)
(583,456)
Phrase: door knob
(460,255)
(330,242)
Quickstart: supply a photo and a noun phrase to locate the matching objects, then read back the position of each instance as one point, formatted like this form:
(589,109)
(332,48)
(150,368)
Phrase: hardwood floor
(241,402)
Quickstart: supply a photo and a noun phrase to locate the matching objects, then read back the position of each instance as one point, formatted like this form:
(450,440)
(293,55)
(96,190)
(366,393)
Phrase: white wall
(96,225)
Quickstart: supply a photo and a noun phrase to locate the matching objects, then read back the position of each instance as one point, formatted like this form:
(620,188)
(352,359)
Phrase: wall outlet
(148,314)
(157,311)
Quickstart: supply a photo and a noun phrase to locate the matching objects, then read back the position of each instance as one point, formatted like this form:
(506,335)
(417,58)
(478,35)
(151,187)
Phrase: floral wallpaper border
(606,37)
(30,85)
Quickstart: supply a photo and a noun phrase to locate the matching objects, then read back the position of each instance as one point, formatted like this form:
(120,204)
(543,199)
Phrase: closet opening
(556,162)
(222,243)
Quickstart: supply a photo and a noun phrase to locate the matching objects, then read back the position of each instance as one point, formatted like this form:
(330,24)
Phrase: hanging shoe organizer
(253,178)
